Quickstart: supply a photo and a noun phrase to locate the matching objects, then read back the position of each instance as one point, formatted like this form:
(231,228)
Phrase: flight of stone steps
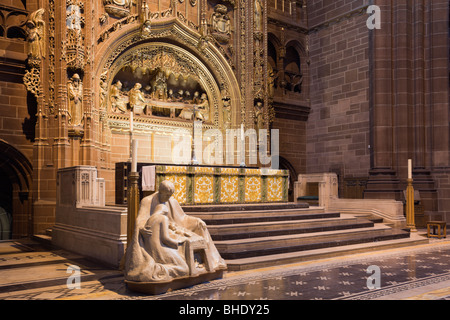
(256,236)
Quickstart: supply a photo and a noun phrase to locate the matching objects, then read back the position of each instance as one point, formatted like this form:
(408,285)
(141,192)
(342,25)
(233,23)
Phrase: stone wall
(338,129)
(292,142)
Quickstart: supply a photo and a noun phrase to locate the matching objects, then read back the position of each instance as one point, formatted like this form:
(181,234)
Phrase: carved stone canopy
(171,84)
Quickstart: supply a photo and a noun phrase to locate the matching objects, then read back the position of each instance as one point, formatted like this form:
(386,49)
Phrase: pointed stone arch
(16,171)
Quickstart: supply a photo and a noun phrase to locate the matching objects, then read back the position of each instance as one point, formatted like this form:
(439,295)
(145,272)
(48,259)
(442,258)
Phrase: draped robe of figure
(141,266)
(162,245)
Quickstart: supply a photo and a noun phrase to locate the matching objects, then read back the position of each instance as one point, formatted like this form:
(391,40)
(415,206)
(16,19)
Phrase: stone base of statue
(155,288)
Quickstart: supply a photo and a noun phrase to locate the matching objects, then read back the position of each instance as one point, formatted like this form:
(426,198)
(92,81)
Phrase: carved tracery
(161,81)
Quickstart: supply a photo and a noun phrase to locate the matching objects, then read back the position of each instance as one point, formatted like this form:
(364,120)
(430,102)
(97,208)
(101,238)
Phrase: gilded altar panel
(229,188)
(203,188)
(176,169)
(253,189)
(274,188)
(180,182)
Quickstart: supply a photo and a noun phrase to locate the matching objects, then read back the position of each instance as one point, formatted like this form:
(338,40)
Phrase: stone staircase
(255,236)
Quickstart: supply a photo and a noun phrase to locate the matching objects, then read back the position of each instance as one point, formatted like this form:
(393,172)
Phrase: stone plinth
(83,223)
(328,187)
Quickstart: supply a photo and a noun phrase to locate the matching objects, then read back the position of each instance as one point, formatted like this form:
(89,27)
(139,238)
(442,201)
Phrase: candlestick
(134,145)
(409,169)
(131,121)
(242,146)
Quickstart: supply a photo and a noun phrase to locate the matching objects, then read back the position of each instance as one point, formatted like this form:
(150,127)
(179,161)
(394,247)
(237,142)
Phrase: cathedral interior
(347,91)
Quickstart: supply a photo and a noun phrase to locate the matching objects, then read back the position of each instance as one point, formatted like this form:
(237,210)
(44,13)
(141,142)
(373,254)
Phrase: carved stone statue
(146,28)
(35,36)
(75,92)
(220,24)
(167,244)
(73,18)
(136,99)
(202,113)
(259,115)
(272,78)
(115,96)
(226,112)
(196,98)
(160,87)
(258,15)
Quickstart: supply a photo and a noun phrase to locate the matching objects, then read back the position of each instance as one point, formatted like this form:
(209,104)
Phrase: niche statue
(169,249)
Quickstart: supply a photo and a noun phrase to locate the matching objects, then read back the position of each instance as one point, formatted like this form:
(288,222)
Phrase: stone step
(263,216)
(244,207)
(277,228)
(229,217)
(323,253)
(246,248)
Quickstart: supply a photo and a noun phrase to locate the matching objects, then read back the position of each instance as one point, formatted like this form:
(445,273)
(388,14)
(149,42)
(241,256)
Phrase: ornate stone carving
(117,99)
(118,8)
(220,24)
(137,100)
(75,95)
(258,15)
(36,38)
(73,48)
(160,87)
(146,23)
(226,111)
(259,115)
(203,109)
(51,57)
(32,81)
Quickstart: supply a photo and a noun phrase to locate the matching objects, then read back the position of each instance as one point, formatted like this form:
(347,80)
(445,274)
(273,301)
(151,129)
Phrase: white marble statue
(166,242)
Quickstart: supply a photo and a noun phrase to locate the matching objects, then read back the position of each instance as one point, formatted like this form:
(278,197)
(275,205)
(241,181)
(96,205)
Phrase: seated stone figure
(166,242)
(164,245)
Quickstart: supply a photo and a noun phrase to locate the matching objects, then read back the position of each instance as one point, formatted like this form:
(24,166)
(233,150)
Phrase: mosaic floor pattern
(420,273)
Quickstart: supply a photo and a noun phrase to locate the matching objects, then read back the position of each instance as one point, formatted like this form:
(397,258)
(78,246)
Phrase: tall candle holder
(410,223)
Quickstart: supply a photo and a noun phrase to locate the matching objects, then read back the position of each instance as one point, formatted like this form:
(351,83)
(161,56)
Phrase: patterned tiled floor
(28,272)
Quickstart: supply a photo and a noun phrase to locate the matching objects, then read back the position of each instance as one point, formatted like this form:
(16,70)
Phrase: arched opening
(272,54)
(292,70)
(286,165)
(16,33)
(15,198)
(6,194)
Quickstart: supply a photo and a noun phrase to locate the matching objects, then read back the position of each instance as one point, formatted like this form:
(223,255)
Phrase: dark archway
(286,165)
(15,201)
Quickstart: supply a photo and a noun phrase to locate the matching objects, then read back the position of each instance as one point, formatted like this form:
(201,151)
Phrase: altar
(203,185)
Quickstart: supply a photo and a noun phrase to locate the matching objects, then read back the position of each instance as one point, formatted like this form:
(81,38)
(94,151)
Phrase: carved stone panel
(118,8)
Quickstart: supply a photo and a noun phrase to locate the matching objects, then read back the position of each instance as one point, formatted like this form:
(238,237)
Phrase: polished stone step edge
(222,236)
(325,253)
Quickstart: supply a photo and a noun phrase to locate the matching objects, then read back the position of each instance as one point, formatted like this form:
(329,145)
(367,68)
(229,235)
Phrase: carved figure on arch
(136,99)
(202,112)
(35,37)
(226,112)
(160,87)
(75,92)
(116,98)
(258,15)
(220,24)
(259,115)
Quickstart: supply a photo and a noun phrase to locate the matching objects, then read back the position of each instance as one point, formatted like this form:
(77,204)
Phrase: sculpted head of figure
(166,190)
